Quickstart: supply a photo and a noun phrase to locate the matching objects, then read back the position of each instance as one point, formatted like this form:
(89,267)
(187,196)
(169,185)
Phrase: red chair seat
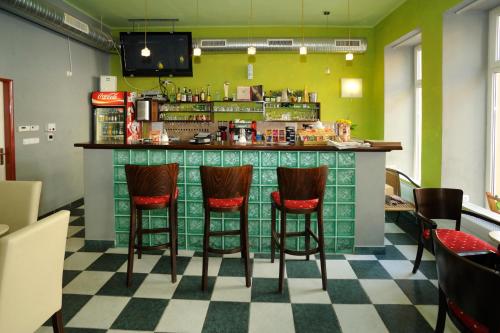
(467,321)
(295,204)
(459,241)
(225,203)
(156,200)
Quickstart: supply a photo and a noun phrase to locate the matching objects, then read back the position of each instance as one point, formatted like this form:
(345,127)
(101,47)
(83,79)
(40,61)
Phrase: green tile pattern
(338,210)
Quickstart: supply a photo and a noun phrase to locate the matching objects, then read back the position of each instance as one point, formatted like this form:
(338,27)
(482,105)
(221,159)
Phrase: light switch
(51,127)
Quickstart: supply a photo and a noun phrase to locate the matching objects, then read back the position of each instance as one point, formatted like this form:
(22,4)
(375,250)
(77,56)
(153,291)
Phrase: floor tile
(71,304)
(72,230)
(398,317)
(347,292)
(271,318)
(369,269)
(140,314)
(410,252)
(97,246)
(73,218)
(266,290)
(80,234)
(117,285)
(307,291)
(108,262)
(87,283)
(302,269)
(127,331)
(118,250)
(349,316)
(74,244)
(401,269)
(429,312)
(190,288)
(163,265)
(428,268)
(231,289)
(77,221)
(232,267)
(79,261)
(387,242)
(419,291)
(99,312)
(316,318)
(68,276)
(384,292)
(77,212)
(392,228)
(83,330)
(391,253)
(195,266)
(338,269)
(45,329)
(227,317)
(401,239)
(183,316)
(264,268)
(143,265)
(353,257)
(157,286)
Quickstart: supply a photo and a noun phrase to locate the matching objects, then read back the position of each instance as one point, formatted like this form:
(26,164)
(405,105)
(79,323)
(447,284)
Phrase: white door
(2,134)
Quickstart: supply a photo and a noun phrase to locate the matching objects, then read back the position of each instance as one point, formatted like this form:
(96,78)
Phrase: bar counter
(353,204)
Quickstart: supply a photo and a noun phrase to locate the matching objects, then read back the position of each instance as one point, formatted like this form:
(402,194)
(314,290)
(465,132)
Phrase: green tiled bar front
(338,210)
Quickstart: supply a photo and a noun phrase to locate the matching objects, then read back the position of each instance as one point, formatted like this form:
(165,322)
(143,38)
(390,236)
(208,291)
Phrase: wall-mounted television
(170,54)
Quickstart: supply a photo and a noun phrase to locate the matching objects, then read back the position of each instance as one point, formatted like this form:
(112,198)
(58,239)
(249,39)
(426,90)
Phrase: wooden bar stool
(226,189)
(301,191)
(152,187)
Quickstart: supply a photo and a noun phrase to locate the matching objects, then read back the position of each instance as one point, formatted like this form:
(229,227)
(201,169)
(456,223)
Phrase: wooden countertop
(228,146)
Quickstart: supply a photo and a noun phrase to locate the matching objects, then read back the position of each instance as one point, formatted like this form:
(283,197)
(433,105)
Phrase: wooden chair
(492,202)
(393,182)
(226,189)
(443,203)
(301,191)
(31,275)
(152,187)
(469,290)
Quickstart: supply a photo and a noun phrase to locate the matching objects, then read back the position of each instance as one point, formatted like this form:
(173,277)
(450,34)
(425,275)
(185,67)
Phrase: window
(417,60)
(493,122)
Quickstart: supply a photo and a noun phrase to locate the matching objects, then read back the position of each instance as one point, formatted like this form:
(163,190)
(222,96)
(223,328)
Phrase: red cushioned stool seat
(467,320)
(156,200)
(225,203)
(295,204)
(459,241)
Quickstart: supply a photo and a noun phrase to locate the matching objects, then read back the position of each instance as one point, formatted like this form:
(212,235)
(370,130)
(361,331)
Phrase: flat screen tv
(170,54)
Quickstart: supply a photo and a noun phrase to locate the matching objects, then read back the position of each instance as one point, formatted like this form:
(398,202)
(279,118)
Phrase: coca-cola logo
(108,96)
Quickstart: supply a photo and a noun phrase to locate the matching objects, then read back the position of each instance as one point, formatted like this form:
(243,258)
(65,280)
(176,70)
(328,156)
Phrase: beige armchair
(31,271)
(19,202)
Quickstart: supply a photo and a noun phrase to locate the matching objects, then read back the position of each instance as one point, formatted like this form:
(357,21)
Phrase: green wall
(278,71)
(426,15)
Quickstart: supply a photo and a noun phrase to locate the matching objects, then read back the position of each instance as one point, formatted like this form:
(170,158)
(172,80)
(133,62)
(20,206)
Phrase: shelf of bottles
(238,106)
(109,125)
(286,111)
(185,111)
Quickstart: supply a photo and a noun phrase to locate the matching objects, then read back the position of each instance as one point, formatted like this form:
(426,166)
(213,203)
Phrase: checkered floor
(366,293)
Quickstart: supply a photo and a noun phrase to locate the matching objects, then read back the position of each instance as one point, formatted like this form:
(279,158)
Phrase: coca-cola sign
(108,98)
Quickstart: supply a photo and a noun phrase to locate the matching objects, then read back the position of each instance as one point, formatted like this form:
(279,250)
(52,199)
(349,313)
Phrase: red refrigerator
(113,118)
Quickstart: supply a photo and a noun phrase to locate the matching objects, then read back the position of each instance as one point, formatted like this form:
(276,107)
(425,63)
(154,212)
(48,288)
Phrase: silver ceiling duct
(59,21)
(314,45)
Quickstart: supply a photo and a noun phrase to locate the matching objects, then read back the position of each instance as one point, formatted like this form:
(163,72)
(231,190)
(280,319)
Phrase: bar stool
(152,187)
(301,191)
(226,189)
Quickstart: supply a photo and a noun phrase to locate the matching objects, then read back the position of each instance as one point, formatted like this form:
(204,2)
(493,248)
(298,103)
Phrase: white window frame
(417,151)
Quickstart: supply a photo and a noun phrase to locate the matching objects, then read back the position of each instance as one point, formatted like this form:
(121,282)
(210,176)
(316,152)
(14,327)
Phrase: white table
(495,235)
(4,228)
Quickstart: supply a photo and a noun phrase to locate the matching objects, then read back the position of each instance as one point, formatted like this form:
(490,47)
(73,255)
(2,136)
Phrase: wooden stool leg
(273,231)
(139,233)
(420,251)
(308,236)
(282,251)
(322,249)
(131,245)
(173,242)
(57,322)
(204,274)
(441,319)
(245,245)
(176,230)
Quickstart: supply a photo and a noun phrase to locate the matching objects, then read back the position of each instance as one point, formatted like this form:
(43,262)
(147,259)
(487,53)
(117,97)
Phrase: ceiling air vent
(347,42)
(213,43)
(279,42)
(76,23)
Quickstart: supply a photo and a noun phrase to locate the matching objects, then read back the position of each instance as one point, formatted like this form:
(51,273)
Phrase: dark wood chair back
(472,287)
(302,183)
(226,182)
(439,203)
(150,181)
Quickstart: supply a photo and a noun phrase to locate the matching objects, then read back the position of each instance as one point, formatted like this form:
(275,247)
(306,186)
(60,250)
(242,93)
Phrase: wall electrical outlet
(51,127)
(50,136)
(23,128)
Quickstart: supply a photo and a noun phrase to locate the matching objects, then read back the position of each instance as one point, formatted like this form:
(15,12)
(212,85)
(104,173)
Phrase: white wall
(465,40)
(37,60)
(399,120)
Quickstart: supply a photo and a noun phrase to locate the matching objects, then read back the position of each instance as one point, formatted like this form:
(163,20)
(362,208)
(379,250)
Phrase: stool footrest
(155,231)
(155,247)
(225,251)
(303,252)
(224,233)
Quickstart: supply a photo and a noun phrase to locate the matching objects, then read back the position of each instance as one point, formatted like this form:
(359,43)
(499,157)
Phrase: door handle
(2,154)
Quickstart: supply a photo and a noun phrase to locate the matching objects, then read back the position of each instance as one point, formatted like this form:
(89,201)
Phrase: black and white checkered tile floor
(366,293)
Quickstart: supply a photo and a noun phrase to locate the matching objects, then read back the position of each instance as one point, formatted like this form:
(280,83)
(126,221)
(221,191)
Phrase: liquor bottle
(190,96)
(202,95)
(178,96)
(209,98)
(183,95)
(196,97)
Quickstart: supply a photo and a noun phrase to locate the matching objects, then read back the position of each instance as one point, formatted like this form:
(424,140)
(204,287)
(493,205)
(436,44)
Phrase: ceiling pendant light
(197,49)
(303,48)
(145,52)
(349,56)
(252,50)
(327,13)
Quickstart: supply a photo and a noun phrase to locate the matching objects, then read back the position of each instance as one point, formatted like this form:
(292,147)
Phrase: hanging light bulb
(251,50)
(197,52)
(197,49)
(349,56)
(145,52)
(303,50)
